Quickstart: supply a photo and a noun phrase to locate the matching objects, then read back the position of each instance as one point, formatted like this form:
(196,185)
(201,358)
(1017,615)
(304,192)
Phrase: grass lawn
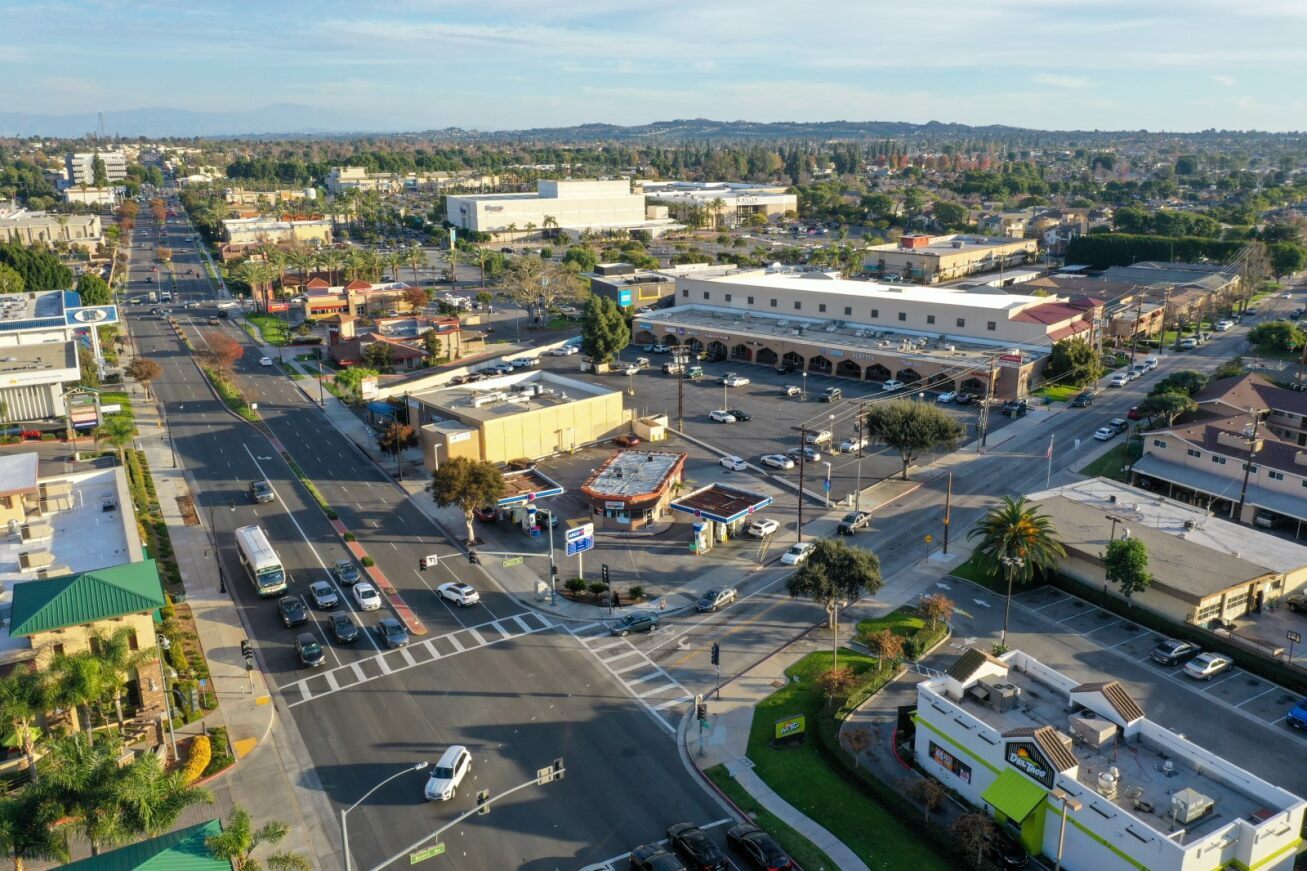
(271,328)
(802,776)
(901,622)
(800,848)
(120,399)
(1058,393)
(558,323)
(973,571)
(1109,465)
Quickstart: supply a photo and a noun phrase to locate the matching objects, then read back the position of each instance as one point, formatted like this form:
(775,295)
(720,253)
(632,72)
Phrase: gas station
(522,492)
(718,513)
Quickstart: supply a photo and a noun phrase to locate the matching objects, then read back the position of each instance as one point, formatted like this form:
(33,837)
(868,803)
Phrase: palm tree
(397,260)
(332,260)
(303,259)
(239,840)
(150,798)
(118,430)
(836,574)
(416,258)
(549,223)
(716,205)
(28,829)
(1019,540)
(511,230)
(530,228)
(355,267)
(76,682)
(80,778)
(22,701)
(119,661)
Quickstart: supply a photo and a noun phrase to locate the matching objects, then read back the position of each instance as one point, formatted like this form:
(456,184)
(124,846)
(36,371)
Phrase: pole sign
(579,539)
(790,728)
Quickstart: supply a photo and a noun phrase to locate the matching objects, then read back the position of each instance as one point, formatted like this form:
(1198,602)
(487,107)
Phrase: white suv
(459,593)
(449,772)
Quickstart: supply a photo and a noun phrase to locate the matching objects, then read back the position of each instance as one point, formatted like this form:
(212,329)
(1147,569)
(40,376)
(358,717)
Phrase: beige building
(572,206)
(932,259)
(39,228)
(725,204)
(242,197)
(87,196)
(80,167)
(1204,568)
(256,231)
(526,415)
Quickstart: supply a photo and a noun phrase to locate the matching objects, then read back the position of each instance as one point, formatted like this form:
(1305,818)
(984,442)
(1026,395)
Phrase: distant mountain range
(290,119)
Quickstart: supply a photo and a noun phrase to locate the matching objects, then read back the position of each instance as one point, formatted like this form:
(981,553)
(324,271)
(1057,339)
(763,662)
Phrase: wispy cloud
(1227,81)
(1075,83)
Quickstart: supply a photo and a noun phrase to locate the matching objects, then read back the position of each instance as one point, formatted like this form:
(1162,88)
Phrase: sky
(511,64)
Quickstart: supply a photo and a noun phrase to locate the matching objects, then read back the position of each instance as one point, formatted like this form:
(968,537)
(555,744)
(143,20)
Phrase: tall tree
(118,430)
(11,280)
(144,370)
(1167,406)
(239,839)
(119,661)
(833,573)
(1074,362)
(416,259)
(604,330)
(94,290)
(28,829)
(1017,539)
(468,485)
(974,832)
(912,428)
(1185,381)
(23,700)
(76,682)
(1126,564)
(81,777)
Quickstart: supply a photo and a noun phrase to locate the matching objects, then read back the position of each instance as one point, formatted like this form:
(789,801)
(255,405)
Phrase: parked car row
(1198,664)
(689,847)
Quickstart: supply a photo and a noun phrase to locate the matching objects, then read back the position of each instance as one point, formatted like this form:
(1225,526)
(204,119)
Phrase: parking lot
(774,417)
(1236,689)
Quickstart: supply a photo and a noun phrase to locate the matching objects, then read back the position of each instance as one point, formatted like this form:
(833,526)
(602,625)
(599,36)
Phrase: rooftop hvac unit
(1189,804)
(1106,785)
(1002,696)
(1190,525)
(1111,497)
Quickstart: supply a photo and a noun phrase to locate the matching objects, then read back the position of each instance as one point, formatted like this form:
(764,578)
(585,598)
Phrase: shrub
(349,536)
(635,593)
(198,760)
(368,562)
(177,656)
(575,585)
(597,587)
(220,751)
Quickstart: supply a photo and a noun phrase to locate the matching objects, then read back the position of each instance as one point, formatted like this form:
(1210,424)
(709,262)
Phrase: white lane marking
(1256,697)
(659,712)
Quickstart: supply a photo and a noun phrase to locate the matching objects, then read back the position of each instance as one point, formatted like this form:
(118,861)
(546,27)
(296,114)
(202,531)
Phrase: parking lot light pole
(826,483)
(857,494)
(1067,802)
(344,831)
(1011,565)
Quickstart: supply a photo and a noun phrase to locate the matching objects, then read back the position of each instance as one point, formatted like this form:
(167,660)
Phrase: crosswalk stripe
(454,641)
(671,684)
(331,679)
(624,669)
(501,630)
(520,622)
(670,702)
(408,657)
(657,672)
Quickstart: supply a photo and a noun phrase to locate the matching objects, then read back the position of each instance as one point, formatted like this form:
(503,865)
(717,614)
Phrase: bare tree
(857,739)
(937,608)
(974,832)
(928,792)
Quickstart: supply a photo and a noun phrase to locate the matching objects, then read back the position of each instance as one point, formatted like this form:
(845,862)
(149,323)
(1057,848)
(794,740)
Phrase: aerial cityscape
(704,437)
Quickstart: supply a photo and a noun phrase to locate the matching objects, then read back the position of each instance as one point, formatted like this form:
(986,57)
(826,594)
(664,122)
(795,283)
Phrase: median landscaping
(230,394)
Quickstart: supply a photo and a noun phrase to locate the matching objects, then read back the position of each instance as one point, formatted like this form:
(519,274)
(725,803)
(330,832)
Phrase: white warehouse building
(1079,774)
(570,206)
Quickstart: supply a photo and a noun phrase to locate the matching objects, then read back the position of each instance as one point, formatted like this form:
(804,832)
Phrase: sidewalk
(271,778)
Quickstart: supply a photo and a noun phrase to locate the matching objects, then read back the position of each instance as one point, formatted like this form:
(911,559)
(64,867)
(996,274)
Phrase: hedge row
(198,760)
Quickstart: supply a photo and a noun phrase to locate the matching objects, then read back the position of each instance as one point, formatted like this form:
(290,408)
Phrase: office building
(722,204)
(40,228)
(1080,774)
(630,287)
(80,167)
(931,259)
(264,231)
(571,207)
(87,196)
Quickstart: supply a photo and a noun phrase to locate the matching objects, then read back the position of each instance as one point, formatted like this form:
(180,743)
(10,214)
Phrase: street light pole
(1249,433)
(1010,567)
(1067,802)
(344,830)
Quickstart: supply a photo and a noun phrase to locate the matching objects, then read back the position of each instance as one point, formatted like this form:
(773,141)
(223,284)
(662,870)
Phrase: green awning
(1014,796)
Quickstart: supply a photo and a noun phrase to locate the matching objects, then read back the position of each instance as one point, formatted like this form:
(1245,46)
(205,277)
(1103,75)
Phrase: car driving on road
(716,597)
(448,773)
(367,597)
(343,628)
(346,572)
(721,415)
(636,621)
(292,611)
(309,650)
(735,464)
(777,461)
(324,595)
(459,593)
(855,521)
(797,554)
(392,632)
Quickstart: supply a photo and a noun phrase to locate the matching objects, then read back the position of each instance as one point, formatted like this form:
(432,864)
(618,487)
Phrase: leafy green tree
(379,356)
(604,330)
(11,280)
(350,382)
(468,485)
(28,829)
(23,700)
(1074,362)
(1280,231)
(94,290)
(1018,540)
(912,428)
(833,573)
(1126,562)
(239,839)
(99,175)
(949,215)
(1232,368)
(582,257)
(118,430)
(1287,258)
(1276,336)
(1167,406)
(1185,381)
(1186,164)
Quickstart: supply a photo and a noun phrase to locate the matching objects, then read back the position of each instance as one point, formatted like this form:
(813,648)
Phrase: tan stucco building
(932,259)
(526,415)
(254,231)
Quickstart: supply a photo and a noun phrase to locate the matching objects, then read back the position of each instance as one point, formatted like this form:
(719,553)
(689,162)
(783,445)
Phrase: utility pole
(803,452)
(1250,433)
(1134,339)
(985,401)
(862,417)
(948,510)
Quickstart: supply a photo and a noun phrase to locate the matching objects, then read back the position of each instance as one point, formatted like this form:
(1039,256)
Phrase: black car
(343,627)
(853,522)
(310,651)
(1083,400)
(1174,652)
(292,611)
(785,368)
(739,415)
(636,621)
(760,847)
(1015,408)
(653,857)
(1008,852)
(1297,603)
(392,632)
(346,572)
(694,845)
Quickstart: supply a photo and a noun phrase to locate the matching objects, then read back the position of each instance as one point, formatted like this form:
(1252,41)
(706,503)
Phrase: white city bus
(260,561)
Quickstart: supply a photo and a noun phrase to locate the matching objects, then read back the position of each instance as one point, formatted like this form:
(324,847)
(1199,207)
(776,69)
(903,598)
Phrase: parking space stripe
(1256,697)
(337,679)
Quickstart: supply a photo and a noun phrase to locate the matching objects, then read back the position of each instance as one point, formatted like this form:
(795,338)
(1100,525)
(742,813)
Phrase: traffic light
(702,712)
(247,649)
(422,564)
(716,653)
(603,573)
(553,570)
(473,558)
(558,768)
(483,801)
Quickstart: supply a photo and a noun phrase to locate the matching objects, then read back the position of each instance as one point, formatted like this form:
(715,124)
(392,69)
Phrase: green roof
(74,600)
(1013,795)
(182,850)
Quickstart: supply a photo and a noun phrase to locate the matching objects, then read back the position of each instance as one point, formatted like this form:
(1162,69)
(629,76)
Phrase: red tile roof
(358,284)
(1049,313)
(317,284)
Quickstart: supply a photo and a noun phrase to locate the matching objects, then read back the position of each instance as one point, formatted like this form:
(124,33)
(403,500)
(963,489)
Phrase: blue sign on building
(624,298)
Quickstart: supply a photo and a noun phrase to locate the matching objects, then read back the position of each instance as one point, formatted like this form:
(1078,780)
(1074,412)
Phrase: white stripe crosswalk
(390,662)
(656,690)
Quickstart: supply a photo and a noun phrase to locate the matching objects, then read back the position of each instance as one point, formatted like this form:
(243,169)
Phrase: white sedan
(735,381)
(947,396)
(735,464)
(777,461)
(265,361)
(565,351)
(367,597)
(1105,433)
(459,593)
(797,554)
(721,415)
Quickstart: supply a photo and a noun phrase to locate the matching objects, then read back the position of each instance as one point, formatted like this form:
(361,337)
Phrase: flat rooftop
(34,310)
(821,282)
(849,336)
(634,473)
(722,503)
(527,483)
(509,395)
(51,356)
(1142,783)
(944,245)
(1185,522)
(18,472)
(83,536)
